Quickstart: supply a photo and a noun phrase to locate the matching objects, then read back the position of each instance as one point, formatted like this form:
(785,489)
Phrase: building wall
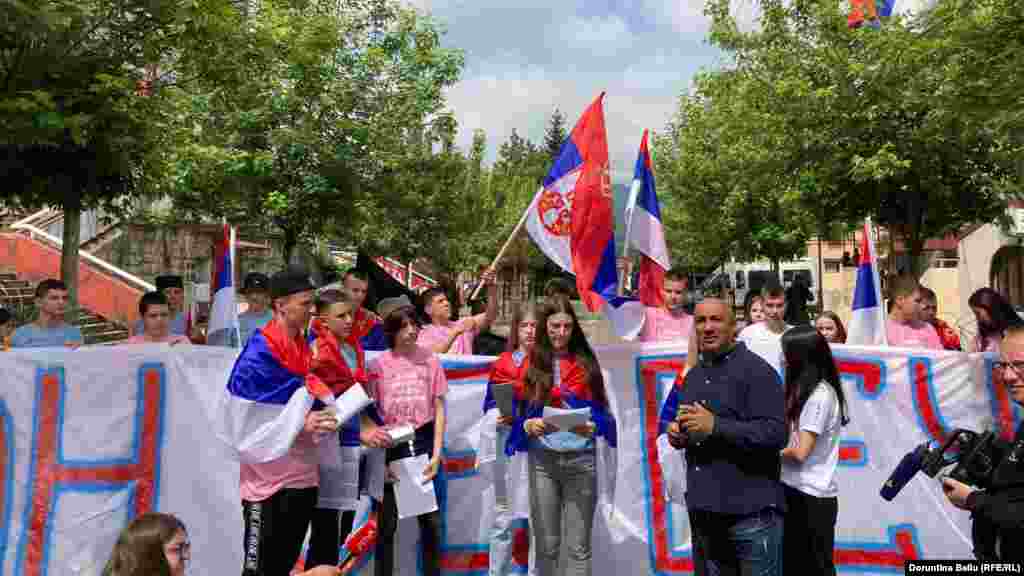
(976,251)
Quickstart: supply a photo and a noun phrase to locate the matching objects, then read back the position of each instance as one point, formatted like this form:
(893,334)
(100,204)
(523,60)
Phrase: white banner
(90,438)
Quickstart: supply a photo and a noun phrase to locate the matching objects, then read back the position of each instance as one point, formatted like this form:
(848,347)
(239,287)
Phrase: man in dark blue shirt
(728,416)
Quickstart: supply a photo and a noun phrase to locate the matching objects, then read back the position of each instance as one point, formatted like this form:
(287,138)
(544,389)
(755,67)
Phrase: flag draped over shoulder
(264,406)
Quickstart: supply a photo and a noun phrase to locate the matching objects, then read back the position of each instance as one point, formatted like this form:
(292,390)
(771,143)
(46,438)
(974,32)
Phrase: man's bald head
(715,324)
(718,306)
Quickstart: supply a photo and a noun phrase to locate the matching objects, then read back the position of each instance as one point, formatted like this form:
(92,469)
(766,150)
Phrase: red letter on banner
(50,472)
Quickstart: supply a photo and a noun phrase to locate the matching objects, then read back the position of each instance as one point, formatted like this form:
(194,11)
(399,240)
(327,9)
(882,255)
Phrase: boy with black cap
(256,290)
(173,287)
(279,487)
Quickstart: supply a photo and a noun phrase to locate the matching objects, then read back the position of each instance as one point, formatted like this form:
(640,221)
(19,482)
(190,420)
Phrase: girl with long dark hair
(408,385)
(509,369)
(562,464)
(815,412)
(994,315)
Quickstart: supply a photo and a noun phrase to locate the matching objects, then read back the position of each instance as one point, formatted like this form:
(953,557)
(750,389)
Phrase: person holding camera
(998,512)
(729,416)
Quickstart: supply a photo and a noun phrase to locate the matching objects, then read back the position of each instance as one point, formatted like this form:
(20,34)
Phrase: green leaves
(878,118)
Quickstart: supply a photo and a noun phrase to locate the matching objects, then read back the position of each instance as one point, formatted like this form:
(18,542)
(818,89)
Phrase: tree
(330,100)
(73,132)
(555,134)
(865,114)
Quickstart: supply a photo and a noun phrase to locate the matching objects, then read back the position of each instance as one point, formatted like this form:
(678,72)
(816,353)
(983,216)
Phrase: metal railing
(34,232)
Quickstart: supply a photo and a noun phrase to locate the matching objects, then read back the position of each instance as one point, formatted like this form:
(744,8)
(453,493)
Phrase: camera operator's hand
(957,492)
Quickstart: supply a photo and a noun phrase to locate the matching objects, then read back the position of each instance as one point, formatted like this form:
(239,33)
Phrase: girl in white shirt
(815,413)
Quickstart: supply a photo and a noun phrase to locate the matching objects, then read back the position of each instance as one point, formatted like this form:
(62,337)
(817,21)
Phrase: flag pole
(870,231)
(235,328)
(504,248)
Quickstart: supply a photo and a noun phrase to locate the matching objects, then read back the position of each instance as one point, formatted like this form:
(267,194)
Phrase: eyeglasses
(1017,367)
(183,550)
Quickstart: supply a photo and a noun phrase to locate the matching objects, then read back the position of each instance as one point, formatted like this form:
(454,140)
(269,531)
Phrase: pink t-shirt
(171,339)
(913,335)
(405,386)
(433,335)
(660,325)
(299,468)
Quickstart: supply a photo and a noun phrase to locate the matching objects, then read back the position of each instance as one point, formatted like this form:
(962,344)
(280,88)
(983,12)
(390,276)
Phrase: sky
(525,58)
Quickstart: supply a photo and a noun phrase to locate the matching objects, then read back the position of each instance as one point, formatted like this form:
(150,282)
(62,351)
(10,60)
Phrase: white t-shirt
(765,343)
(817,475)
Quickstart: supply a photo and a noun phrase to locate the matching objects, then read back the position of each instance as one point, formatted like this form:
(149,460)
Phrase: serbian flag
(867,323)
(223,330)
(571,220)
(645,232)
(271,389)
(869,11)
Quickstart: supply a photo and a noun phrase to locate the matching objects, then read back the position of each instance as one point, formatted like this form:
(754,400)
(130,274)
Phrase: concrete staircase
(18,296)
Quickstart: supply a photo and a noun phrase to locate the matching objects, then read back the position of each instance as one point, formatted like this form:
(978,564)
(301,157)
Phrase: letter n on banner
(51,474)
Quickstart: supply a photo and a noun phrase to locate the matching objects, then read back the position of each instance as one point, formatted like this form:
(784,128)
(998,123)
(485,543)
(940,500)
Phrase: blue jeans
(730,545)
(501,531)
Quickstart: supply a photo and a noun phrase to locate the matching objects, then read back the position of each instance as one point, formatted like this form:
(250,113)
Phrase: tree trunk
(69,253)
(288,249)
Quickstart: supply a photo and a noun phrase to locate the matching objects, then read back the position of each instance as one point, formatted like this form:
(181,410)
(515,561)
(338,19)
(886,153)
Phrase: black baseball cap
(290,281)
(255,282)
(169,281)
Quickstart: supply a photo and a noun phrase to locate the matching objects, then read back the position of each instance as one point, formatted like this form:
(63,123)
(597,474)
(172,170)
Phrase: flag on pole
(867,323)
(223,330)
(571,219)
(645,232)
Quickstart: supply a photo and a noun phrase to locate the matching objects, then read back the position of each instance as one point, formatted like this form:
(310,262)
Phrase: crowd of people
(758,414)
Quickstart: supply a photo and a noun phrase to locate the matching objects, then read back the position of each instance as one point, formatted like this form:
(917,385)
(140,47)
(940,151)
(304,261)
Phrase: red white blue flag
(572,220)
(223,328)
(867,322)
(645,232)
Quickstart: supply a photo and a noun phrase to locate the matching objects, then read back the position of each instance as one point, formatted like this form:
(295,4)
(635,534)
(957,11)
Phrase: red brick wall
(97,290)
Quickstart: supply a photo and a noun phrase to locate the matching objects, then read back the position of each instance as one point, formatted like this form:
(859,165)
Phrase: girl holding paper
(340,365)
(562,464)
(508,370)
(409,385)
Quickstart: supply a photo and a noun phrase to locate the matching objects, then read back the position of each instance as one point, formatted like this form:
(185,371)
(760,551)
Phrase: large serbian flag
(867,322)
(646,233)
(571,220)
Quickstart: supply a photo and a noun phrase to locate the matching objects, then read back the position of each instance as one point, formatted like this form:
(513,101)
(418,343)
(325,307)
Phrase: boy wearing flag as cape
(268,418)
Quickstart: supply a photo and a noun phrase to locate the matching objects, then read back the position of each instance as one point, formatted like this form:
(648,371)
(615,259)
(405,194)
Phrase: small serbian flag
(867,322)
(646,233)
(223,330)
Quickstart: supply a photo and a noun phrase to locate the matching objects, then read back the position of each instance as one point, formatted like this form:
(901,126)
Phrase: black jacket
(998,513)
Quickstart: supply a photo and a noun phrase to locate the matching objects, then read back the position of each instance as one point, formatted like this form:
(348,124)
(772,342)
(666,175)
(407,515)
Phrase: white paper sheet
(566,419)
(413,496)
(402,434)
(351,403)
(504,397)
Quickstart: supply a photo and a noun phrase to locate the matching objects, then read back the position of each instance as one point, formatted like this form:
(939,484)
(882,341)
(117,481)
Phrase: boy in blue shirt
(49,329)
(256,290)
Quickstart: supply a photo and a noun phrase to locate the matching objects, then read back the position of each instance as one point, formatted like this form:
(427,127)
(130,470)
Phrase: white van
(741,279)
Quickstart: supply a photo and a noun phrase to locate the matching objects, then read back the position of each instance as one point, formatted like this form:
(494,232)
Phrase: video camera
(975,454)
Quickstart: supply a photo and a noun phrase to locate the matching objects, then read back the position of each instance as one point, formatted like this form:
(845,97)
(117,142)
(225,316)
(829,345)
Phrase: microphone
(907,468)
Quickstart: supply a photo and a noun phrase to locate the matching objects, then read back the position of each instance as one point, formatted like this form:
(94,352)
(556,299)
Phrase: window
(833,266)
